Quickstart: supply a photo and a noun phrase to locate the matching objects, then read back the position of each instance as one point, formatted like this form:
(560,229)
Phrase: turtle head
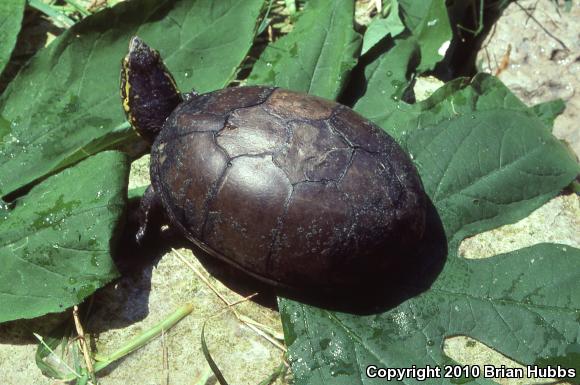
(148,91)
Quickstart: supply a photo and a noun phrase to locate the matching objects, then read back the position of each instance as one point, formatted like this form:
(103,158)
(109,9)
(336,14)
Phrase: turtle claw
(140,236)
(189,95)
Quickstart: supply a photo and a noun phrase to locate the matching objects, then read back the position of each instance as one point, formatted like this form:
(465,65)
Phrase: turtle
(295,190)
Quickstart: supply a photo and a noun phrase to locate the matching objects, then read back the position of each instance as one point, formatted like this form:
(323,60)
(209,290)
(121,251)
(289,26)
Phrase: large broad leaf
(488,167)
(11,13)
(317,55)
(65,104)
(512,302)
(485,160)
(57,240)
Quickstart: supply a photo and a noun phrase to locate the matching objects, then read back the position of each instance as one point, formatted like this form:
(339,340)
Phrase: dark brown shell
(291,188)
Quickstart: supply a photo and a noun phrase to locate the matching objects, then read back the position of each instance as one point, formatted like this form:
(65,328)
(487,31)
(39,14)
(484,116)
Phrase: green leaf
(76,111)
(11,13)
(381,27)
(428,21)
(387,79)
(485,160)
(317,55)
(488,169)
(57,241)
(512,302)
(518,167)
(549,111)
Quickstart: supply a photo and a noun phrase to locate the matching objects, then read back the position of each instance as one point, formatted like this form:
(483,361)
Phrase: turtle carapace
(296,190)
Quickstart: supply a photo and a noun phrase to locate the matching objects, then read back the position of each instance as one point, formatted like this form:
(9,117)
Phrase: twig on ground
(165,359)
(253,325)
(505,61)
(529,14)
(83,344)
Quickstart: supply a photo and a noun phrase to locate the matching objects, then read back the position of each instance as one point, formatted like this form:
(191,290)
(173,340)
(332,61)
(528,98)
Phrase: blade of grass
(265,21)
(216,371)
(145,337)
(74,373)
(136,342)
(58,17)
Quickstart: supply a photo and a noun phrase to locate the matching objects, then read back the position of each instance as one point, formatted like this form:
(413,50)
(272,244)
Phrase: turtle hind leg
(150,214)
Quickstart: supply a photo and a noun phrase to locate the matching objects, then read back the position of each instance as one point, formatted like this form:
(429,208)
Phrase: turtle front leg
(150,211)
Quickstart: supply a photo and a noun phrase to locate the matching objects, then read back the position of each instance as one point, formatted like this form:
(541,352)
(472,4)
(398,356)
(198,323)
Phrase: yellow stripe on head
(127,86)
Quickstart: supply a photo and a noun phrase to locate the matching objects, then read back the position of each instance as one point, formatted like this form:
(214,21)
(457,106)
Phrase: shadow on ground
(377,293)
